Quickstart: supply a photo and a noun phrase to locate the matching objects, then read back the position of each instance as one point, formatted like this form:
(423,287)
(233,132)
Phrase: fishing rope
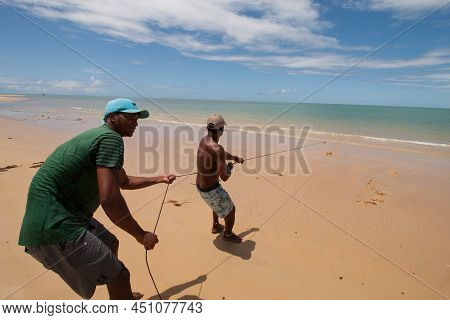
(187,174)
(264,155)
(146,250)
(271,154)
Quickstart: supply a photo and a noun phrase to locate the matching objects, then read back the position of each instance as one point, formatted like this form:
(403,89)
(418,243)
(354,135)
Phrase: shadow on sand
(242,250)
(179,288)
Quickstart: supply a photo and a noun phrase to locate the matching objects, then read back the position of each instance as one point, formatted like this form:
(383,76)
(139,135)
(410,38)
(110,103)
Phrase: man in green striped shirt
(58,228)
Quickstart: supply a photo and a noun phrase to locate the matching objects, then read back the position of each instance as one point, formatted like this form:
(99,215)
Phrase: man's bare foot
(217,228)
(232,238)
(137,295)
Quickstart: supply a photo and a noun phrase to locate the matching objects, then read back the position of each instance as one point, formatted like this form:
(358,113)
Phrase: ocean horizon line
(156,99)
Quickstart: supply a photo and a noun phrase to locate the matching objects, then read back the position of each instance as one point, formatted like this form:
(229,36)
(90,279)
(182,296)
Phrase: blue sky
(264,50)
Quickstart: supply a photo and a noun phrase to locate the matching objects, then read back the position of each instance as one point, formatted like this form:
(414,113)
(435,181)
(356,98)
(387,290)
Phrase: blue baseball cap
(124,106)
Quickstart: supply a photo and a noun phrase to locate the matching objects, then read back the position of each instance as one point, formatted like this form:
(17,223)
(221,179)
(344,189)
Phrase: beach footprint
(37,164)
(4,169)
(376,196)
(177,203)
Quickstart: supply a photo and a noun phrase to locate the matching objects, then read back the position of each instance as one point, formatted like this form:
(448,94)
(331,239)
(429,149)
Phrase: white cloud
(66,84)
(318,61)
(421,85)
(321,62)
(192,25)
(400,8)
(437,79)
(56,86)
(286,34)
(95,84)
(433,58)
(406,5)
(91,86)
(313,72)
(354,4)
(281,91)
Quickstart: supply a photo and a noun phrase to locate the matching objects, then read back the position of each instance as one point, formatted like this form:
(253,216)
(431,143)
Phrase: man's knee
(123,277)
(120,287)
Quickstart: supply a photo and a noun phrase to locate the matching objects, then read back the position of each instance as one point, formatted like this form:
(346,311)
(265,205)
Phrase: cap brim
(142,114)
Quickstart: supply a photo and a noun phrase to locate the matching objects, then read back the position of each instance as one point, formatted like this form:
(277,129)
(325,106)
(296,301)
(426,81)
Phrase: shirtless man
(211,166)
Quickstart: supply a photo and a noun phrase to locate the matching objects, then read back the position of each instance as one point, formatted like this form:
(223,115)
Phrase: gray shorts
(83,263)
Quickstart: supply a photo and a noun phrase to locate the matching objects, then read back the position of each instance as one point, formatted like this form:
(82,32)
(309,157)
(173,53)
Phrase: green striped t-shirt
(63,194)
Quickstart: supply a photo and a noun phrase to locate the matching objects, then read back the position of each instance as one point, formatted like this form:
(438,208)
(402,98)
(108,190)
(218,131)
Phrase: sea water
(429,126)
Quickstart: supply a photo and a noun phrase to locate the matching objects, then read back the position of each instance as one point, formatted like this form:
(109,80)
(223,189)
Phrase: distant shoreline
(12,98)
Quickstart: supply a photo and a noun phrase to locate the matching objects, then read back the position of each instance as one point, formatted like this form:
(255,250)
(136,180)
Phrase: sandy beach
(371,221)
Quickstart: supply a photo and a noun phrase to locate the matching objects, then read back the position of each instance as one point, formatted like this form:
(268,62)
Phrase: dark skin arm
(132,183)
(229,156)
(115,207)
(224,168)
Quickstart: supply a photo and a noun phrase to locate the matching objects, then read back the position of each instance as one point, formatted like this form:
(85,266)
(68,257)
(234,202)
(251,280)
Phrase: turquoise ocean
(425,126)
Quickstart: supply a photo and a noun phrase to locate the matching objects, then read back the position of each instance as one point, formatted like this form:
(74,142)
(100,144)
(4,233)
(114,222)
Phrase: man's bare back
(210,161)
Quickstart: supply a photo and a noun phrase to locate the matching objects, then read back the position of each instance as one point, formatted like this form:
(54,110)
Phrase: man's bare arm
(224,171)
(116,209)
(132,183)
(229,156)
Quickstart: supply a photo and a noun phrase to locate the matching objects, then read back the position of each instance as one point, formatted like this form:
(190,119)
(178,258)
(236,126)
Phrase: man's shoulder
(103,130)
(99,133)
(90,140)
(210,145)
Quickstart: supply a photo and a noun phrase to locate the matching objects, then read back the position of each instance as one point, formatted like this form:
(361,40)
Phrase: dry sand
(372,221)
